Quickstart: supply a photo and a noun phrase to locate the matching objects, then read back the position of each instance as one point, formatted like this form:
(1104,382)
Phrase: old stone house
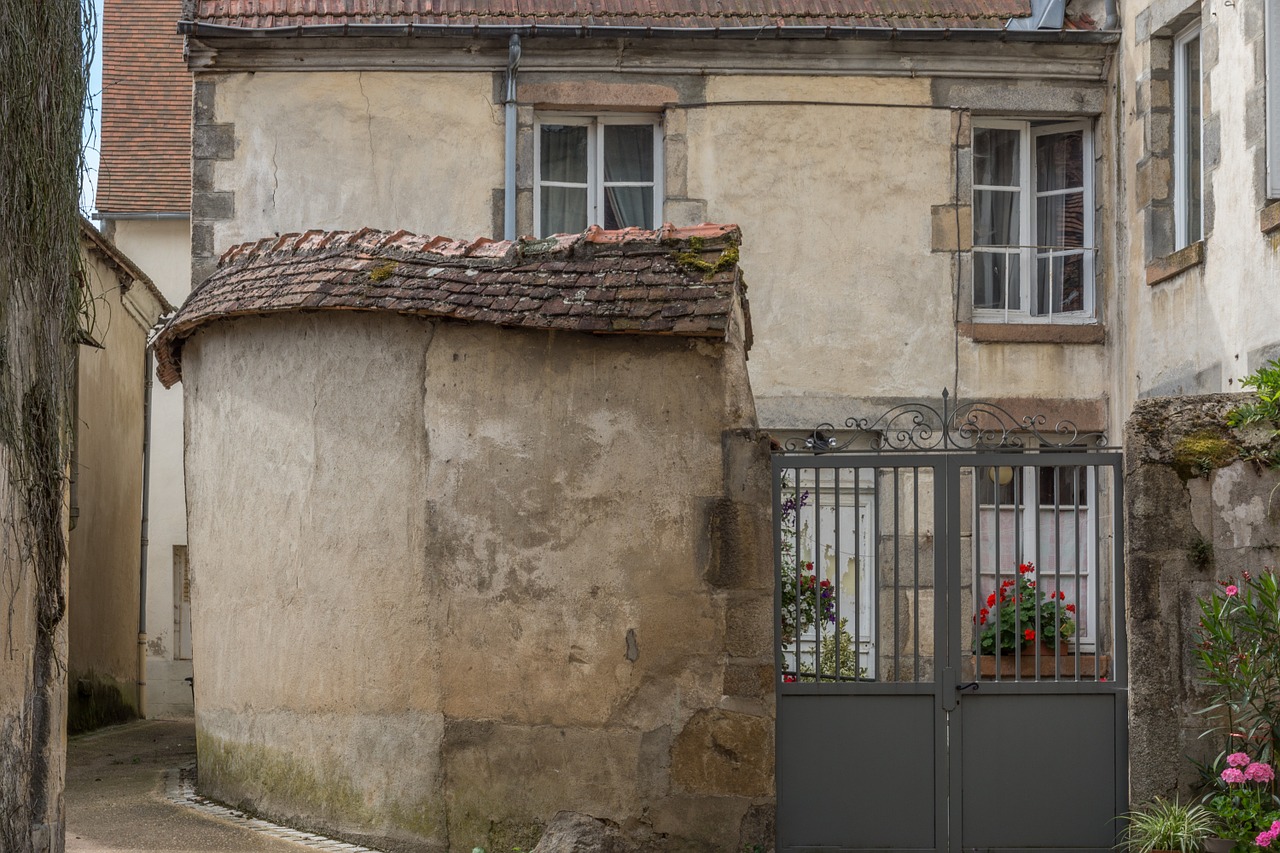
(1061,209)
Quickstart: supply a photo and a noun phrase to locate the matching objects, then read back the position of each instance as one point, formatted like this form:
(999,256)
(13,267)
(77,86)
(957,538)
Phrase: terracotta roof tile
(674,281)
(145,165)
(656,14)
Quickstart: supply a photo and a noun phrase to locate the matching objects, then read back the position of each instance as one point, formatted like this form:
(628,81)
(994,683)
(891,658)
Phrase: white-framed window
(1271,25)
(1044,516)
(1033,252)
(1188,179)
(601,170)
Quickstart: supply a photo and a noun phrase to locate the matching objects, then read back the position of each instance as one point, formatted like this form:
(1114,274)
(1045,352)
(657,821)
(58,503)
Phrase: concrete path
(116,796)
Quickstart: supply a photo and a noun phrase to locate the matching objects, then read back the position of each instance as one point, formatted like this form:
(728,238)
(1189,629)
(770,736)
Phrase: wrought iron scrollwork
(975,425)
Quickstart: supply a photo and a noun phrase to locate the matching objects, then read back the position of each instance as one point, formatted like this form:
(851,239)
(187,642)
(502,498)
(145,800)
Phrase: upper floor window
(1033,258)
(1187,167)
(596,170)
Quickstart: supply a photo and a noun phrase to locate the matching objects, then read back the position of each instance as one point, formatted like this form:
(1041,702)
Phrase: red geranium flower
(1029,634)
(1070,608)
(991,600)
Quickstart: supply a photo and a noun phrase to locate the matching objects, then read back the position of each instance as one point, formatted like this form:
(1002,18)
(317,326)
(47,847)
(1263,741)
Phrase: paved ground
(116,796)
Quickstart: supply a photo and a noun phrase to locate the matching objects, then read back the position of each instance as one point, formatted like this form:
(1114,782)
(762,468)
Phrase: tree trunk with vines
(44,58)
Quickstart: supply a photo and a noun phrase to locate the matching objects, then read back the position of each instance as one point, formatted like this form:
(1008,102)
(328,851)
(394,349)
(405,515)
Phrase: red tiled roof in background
(655,14)
(146,110)
(673,281)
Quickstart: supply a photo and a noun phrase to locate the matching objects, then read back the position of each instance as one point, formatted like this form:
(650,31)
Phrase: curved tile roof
(690,15)
(673,281)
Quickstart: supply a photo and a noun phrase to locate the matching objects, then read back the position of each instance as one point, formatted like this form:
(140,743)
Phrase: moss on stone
(1198,454)
(383,271)
(273,784)
(691,258)
(93,703)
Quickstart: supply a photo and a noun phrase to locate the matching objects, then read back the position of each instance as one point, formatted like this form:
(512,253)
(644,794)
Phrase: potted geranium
(1018,615)
(1243,807)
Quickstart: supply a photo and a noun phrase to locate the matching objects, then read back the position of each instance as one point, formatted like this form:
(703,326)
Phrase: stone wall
(450,579)
(1196,511)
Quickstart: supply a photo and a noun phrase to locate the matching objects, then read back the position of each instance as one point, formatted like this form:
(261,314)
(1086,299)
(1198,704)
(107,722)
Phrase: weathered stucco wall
(1195,513)
(281,152)
(106,505)
(451,579)
(1198,320)
(162,249)
(850,210)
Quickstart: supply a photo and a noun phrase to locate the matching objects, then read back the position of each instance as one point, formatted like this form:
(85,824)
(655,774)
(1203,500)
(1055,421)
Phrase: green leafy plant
(1266,384)
(842,641)
(1239,659)
(803,595)
(1165,825)
(1020,612)
(1245,809)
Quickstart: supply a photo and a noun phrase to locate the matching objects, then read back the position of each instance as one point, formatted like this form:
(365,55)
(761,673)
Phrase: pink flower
(1259,772)
(1239,759)
(1232,776)
(1265,838)
(1231,590)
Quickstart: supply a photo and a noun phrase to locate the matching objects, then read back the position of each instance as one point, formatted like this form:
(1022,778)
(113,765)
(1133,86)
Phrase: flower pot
(1218,845)
(1064,666)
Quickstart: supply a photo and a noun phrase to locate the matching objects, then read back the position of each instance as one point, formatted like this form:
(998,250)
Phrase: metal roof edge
(200,30)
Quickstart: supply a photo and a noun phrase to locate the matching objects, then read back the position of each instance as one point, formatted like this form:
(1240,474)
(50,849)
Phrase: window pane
(564,153)
(1069,484)
(995,218)
(1059,285)
(626,206)
(995,157)
(994,275)
(1060,161)
(564,210)
(1060,221)
(1191,132)
(628,152)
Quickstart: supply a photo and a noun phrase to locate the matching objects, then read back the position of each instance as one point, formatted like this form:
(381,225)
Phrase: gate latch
(969,685)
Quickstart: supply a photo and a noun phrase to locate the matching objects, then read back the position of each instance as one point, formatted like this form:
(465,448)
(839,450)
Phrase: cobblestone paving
(129,788)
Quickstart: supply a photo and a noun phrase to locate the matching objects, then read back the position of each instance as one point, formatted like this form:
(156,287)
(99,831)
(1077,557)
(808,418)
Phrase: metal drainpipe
(509,185)
(1112,19)
(146,498)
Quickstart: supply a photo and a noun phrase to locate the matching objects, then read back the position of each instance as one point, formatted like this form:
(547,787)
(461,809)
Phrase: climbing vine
(45,50)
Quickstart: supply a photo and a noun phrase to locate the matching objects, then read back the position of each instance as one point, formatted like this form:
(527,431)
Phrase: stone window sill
(1028,333)
(1269,220)
(1163,269)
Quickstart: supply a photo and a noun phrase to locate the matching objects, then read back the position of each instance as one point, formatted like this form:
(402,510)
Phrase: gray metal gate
(950,643)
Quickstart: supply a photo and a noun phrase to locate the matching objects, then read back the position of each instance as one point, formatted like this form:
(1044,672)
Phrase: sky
(89,180)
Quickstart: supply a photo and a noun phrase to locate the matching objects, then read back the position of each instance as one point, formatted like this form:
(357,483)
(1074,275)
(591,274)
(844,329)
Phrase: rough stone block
(204,98)
(681,212)
(749,626)
(213,205)
(213,142)
(1154,178)
(571,832)
(952,227)
(726,753)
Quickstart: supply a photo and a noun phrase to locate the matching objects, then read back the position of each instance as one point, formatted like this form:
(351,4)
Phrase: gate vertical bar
(819,608)
(947,599)
(840,653)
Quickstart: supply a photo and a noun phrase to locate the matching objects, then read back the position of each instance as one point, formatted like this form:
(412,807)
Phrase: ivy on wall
(44,62)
